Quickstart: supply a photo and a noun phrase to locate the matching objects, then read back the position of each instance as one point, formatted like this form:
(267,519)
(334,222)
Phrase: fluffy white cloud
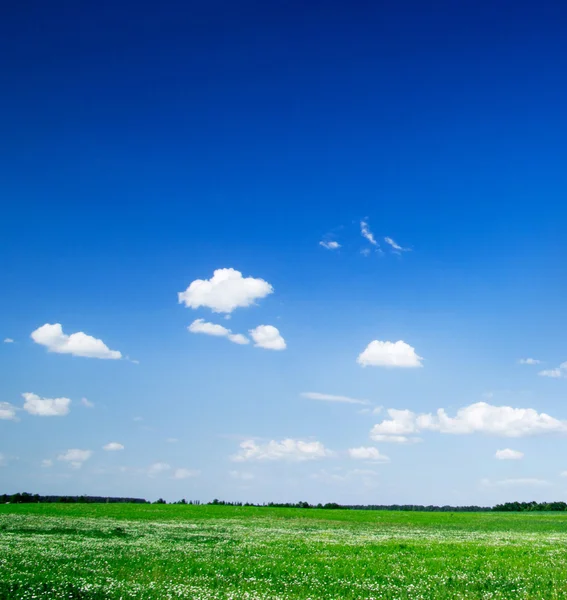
(47,463)
(75,457)
(158,468)
(113,446)
(87,403)
(508,454)
(331,398)
(480,417)
(8,341)
(288,449)
(7,412)
(202,326)
(330,245)
(368,453)
(46,407)
(267,336)
(396,247)
(389,354)
(225,291)
(241,475)
(77,344)
(185,473)
(366,233)
(529,361)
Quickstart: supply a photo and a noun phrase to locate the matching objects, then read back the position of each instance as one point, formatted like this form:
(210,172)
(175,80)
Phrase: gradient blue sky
(145,146)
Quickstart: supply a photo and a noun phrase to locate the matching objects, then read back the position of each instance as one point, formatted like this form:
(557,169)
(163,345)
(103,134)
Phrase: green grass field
(154,551)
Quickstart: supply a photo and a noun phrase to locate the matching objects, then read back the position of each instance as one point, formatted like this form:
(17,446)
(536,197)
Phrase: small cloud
(389,354)
(241,475)
(367,234)
(508,454)
(172,440)
(288,449)
(330,245)
(158,468)
(87,403)
(77,344)
(529,361)
(225,291)
(396,247)
(7,412)
(46,407)
(47,463)
(563,474)
(202,326)
(8,341)
(138,419)
(75,457)
(268,337)
(554,373)
(331,398)
(368,454)
(113,446)
(3,461)
(185,473)
(520,482)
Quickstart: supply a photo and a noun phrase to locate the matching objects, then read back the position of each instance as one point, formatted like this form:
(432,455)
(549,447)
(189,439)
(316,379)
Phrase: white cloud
(555,373)
(529,361)
(330,245)
(366,233)
(113,446)
(202,326)
(508,454)
(267,336)
(225,291)
(563,474)
(138,419)
(331,398)
(520,482)
(172,440)
(288,449)
(87,403)
(8,341)
(7,412)
(77,344)
(158,468)
(396,247)
(185,473)
(480,417)
(47,463)
(75,457)
(389,354)
(46,407)
(241,475)
(368,453)
(3,461)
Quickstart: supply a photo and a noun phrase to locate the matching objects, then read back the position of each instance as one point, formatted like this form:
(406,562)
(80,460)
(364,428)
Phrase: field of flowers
(162,552)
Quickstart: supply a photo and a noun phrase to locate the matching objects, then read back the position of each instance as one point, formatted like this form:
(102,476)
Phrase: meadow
(122,551)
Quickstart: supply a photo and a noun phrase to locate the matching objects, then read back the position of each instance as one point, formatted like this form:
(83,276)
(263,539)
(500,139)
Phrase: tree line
(26,498)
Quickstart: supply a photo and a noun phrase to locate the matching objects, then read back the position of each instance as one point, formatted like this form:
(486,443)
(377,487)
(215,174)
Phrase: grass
(115,551)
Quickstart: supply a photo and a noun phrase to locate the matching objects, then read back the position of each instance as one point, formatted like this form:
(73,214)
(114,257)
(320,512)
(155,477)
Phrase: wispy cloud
(395,247)
(8,341)
(558,373)
(332,398)
(529,361)
(330,245)
(367,234)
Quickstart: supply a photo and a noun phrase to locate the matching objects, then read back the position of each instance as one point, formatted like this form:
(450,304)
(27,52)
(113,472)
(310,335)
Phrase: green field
(154,551)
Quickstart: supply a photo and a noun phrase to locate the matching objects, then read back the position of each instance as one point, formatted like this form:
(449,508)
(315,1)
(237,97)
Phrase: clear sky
(247,236)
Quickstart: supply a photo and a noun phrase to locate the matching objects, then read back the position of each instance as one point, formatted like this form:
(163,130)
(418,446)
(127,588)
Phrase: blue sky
(145,148)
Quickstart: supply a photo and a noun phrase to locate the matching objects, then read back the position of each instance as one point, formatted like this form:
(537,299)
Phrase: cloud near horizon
(480,417)
(288,449)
